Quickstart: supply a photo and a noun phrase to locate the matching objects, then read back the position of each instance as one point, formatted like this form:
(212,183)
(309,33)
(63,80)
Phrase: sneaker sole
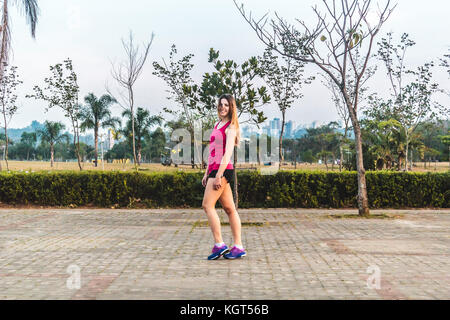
(220,254)
(231,258)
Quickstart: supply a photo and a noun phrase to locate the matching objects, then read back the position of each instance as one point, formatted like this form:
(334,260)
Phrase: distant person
(224,137)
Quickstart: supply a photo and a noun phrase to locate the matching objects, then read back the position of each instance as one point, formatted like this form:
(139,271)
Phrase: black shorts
(228,174)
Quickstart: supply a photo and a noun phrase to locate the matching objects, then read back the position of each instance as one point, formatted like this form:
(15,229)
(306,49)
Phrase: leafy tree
(121,150)
(446,141)
(52,134)
(8,85)
(321,142)
(96,114)
(176,74)
(43,151)
(411,90)
(86,151)
(143,122)
(155,145)
(307,156)
(285,80)
(62,91)
(29,140)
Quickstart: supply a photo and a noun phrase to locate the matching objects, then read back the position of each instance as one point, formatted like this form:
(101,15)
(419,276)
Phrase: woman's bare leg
(227,202)
(209,203)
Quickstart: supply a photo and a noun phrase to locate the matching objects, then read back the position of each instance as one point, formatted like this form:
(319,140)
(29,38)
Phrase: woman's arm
(229,148)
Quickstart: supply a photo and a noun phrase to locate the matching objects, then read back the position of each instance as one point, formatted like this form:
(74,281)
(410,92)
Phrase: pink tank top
(217,142)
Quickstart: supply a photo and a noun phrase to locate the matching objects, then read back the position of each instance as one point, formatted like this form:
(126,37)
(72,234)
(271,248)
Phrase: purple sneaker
(217,252)
(235,253)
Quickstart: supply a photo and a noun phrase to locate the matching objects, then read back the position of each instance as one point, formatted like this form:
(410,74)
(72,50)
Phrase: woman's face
(224,108)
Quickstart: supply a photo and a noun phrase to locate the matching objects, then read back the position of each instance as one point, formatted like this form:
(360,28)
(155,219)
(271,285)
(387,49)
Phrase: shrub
(301,189)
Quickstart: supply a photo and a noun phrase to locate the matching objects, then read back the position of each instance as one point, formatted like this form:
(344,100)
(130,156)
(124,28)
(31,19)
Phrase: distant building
(275,124)
(110,140)
(245,132)
(288,129)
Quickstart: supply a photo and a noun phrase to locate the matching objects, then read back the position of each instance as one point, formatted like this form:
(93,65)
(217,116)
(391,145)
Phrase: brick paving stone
(161,254)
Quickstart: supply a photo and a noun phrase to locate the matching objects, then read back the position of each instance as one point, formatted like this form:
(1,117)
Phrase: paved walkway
(161,254)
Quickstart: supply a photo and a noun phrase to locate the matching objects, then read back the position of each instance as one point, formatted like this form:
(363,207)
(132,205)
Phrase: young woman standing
(218,176)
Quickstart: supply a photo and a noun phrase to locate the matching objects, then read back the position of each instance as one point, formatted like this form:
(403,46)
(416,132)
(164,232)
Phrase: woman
(218,177)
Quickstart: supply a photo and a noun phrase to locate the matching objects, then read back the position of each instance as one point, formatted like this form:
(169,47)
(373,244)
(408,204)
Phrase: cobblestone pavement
(161,254)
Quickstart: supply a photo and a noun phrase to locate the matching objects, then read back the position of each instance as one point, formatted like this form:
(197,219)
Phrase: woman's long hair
(234,117)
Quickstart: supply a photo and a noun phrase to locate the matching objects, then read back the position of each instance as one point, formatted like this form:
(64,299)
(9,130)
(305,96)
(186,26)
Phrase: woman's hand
(217,183)
(205,180)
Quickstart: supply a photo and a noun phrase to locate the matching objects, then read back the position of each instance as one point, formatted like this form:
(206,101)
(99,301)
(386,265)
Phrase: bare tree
(330,45)
(8,106)
(339,101)
(285,80)
(126,73)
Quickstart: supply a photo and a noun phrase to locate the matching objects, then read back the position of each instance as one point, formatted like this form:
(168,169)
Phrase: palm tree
(382,139)
(51,133)
(142,124)
(28,139)
(31,11)
(96,114)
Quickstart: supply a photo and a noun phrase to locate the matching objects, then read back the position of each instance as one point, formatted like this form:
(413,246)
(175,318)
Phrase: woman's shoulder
(231,127)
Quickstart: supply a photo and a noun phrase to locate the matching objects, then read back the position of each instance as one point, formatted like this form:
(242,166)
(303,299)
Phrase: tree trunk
(4,49)
(51,155)
(131,97)
(139,156)
(134,142)
(7,142)
(3,59)
(76,141)
(410,159)
(280,153)
(341,160)
(407,149)
(363,200)
(78,149)
(96,143)
(295,156)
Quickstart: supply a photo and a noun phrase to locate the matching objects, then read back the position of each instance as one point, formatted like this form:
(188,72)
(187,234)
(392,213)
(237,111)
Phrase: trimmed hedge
(304,189)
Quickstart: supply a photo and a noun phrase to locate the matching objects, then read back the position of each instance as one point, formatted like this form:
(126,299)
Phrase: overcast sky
(90,32)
